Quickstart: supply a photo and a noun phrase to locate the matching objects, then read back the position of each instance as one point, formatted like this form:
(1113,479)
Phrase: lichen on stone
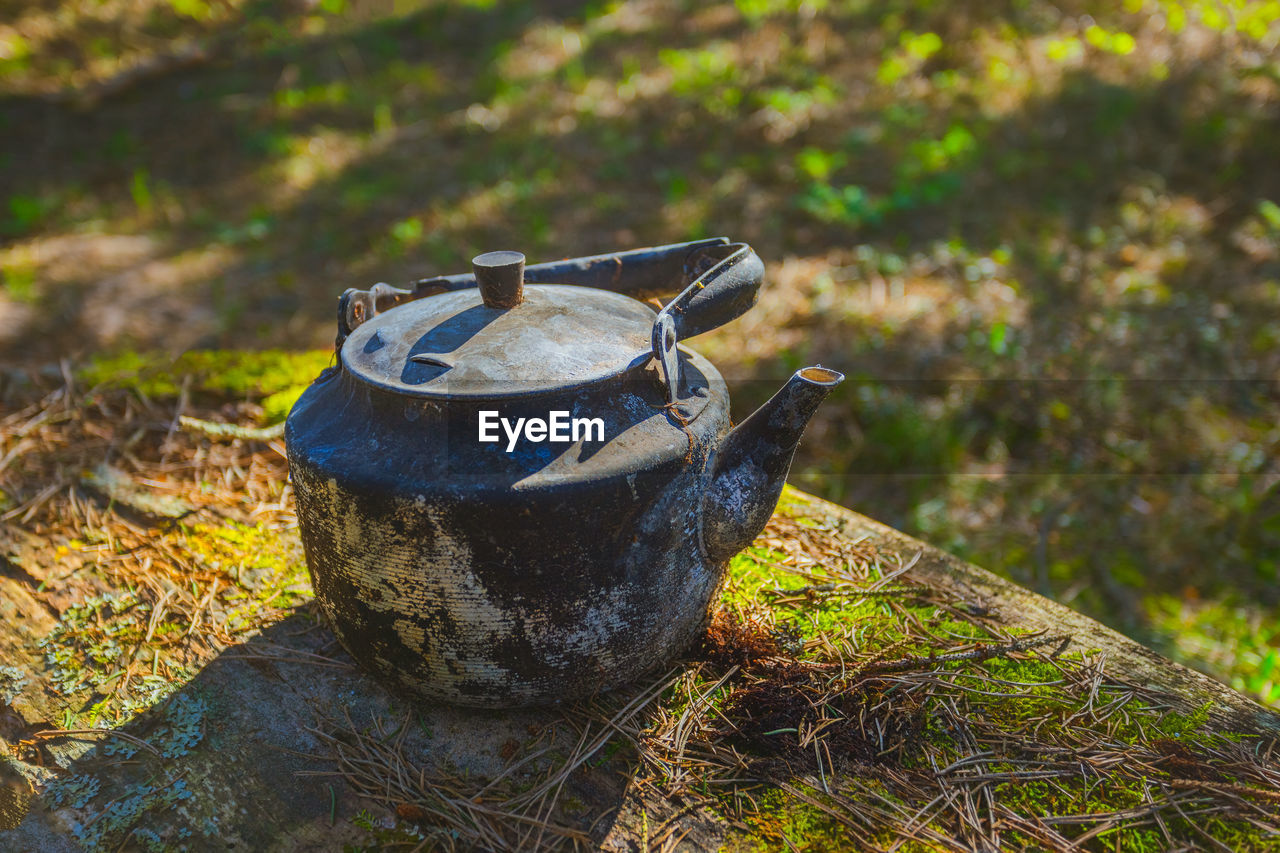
(183,727)
(105,826)
(12,681)
(108,828)
(74,790)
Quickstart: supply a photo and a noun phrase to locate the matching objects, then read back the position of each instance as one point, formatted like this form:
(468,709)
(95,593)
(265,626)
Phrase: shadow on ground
(247,755)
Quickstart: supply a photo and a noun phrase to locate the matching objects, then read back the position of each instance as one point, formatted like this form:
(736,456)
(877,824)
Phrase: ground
(168,680)
(1041,238)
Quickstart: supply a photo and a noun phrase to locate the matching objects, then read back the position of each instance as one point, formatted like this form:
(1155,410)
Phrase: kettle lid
(466,344)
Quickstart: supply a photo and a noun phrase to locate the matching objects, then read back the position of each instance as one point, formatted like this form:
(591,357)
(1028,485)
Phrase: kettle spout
(751,464)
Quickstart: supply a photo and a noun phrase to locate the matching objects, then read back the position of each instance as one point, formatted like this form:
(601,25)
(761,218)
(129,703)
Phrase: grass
(273,378)
(1238,640)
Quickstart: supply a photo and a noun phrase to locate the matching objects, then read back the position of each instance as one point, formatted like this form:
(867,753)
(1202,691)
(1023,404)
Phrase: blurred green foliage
(1042,239)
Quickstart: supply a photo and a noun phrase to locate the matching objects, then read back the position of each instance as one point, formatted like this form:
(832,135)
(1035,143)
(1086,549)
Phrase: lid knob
(501,278)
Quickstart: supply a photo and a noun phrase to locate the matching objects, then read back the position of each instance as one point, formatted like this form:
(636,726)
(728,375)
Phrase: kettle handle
(724,292)
(712,281)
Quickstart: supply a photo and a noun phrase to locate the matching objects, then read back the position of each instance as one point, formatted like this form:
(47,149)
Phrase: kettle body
(460,572)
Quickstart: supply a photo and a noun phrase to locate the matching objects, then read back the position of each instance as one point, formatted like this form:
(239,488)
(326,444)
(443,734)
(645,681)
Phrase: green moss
(1068,797)
(274,378)
(758,575)
(1039,701)
(757,569)
(780,821)
(265,564)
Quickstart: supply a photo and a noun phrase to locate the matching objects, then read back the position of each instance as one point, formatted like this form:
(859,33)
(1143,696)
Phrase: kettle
(516,487)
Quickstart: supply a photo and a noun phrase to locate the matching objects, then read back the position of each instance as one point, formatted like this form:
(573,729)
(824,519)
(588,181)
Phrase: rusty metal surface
(481,575)
(457,571)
